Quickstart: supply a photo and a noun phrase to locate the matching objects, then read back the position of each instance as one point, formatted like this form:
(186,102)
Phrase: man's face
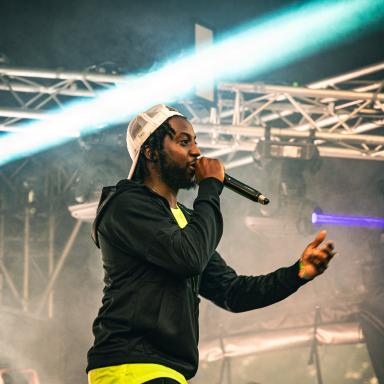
(179,155)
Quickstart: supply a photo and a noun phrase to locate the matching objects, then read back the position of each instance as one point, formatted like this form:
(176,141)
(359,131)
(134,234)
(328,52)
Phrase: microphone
(244,190)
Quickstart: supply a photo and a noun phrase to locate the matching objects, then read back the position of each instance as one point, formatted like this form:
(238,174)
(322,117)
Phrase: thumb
(318,239)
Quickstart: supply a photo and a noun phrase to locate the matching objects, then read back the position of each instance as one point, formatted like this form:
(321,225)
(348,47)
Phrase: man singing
(160,256)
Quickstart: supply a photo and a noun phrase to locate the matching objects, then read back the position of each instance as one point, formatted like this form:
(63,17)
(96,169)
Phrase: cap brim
(133,166)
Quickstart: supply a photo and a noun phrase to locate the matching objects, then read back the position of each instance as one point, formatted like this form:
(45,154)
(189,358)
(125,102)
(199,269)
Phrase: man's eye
(184,142)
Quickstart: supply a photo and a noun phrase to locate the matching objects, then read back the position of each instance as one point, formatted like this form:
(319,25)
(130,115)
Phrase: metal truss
(30,213)
(343,115)
(27,94)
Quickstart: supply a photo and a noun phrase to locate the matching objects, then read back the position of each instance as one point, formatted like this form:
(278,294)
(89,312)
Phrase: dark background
(75,35)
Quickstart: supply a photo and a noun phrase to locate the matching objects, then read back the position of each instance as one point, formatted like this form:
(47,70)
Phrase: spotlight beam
(267,43)
(347,221)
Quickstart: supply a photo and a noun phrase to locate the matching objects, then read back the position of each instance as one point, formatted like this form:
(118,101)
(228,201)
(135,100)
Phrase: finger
(319,256)
(323,254)
(320,263)
(316,259)
(329,252)
(330,255)
(318,239)
(330,245)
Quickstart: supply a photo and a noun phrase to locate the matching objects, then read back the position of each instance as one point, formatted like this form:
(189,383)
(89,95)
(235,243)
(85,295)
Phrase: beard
(174,176)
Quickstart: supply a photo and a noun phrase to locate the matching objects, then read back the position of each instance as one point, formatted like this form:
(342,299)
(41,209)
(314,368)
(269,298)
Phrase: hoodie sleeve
(221,285)
(140,226)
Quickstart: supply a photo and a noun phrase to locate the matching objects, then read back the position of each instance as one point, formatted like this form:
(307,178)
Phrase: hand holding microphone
(206,167)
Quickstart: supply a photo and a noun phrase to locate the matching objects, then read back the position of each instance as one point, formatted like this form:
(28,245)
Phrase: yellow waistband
(133,374)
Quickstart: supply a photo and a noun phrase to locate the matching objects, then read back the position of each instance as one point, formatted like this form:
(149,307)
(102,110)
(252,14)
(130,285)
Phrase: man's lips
(192,166)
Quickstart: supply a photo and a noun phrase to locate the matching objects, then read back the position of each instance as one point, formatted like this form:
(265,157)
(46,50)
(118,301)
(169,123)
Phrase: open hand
(314,261)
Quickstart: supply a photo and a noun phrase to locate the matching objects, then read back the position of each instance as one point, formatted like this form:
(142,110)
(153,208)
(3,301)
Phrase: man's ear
(147,153)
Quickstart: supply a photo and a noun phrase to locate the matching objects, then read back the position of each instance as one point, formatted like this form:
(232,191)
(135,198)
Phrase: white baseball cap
(142,126)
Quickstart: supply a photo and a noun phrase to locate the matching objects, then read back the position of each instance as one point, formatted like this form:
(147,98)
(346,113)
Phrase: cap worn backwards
(142,126)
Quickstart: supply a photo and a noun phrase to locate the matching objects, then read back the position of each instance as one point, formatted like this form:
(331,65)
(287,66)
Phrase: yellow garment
(138,373)
(132,374)
(179,216)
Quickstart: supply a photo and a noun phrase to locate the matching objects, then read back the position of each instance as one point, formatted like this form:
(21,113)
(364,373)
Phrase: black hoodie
(155,272)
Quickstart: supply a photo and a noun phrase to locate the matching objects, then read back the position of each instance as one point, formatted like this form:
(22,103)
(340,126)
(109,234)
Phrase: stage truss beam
(337,113)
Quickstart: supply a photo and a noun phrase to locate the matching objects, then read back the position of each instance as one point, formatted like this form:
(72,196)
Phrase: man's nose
(195,150)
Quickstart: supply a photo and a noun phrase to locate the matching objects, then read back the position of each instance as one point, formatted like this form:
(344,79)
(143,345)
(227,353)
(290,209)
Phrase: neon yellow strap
(179,217)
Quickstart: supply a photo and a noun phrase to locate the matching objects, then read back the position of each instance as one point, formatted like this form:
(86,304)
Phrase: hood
(107,195)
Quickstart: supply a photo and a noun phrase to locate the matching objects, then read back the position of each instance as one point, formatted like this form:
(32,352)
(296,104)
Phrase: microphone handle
(244,190)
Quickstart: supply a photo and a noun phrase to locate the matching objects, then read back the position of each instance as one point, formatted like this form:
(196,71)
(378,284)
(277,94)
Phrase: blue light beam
(347,221)
(265,44)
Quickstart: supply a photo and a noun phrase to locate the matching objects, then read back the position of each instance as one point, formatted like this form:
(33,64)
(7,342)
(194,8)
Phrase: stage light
(267,43)
(282,149)
(347,221)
